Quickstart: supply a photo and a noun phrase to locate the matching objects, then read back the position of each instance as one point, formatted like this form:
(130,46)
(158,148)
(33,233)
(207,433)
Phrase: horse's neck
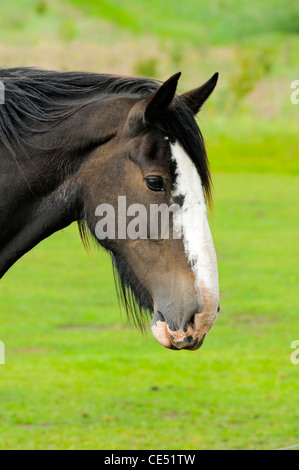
(38,191)
(31,220)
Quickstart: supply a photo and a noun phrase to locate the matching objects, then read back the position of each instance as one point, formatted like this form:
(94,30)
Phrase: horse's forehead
(153,147)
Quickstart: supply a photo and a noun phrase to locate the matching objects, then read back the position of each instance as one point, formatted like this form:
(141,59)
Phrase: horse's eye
(154,183)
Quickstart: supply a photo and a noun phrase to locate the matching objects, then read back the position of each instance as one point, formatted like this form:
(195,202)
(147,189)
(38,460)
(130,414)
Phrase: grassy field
(197,21)
(77,376)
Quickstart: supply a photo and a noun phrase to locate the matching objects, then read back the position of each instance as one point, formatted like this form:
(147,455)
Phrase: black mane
(42,96)
(46,97)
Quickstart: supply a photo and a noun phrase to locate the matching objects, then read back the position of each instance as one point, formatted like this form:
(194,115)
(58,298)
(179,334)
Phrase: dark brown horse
(74,144)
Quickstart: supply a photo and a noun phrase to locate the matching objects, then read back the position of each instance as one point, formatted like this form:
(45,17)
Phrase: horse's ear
(196,98)
(161,99)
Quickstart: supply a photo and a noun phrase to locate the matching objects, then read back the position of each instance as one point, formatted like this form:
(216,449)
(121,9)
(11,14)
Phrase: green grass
(239,144)
(74,378)
(214,22)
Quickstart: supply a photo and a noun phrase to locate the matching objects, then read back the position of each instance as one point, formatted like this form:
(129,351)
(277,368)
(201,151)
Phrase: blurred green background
(77,376)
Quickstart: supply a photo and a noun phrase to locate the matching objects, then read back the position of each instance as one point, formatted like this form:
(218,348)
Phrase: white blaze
(196,233)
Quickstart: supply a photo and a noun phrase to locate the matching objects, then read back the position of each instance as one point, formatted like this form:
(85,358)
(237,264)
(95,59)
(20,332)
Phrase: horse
(71,141)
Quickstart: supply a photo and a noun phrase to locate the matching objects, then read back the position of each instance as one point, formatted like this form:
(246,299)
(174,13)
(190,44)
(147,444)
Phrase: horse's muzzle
(190,338)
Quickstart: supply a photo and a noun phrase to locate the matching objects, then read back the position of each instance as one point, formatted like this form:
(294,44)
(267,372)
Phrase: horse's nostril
(192,320)
(187,323)
(160,316)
